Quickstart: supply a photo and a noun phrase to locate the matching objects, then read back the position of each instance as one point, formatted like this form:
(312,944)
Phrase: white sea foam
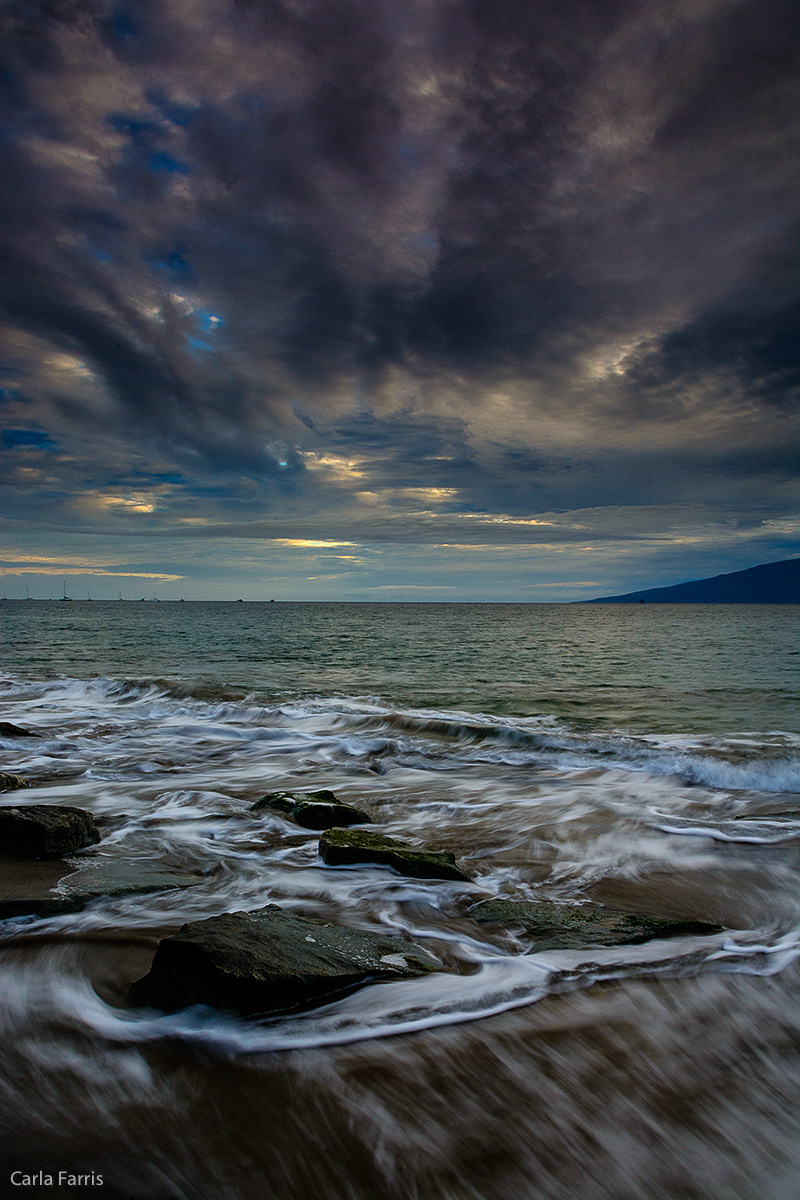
(171,772)
(34,1000)
(576,754)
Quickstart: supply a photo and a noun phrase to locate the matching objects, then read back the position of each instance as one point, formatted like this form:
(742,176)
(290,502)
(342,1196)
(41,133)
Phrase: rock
(786,814)
(566,927)
(45,830)
(340,846)
(8,783)
(112,877)
(28,886)
(270,960)
(14,731)
(312,810)
(48,889)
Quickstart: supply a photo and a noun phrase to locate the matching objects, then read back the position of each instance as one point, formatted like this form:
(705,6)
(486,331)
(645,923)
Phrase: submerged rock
(7,729)
(353,846)
(48,889)
(45,830)
(270,960)
(566,927)
(786,814)
(8,783)
(312,810)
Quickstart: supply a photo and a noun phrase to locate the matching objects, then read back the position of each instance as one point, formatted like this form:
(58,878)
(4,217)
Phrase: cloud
(27,564)
(273,264)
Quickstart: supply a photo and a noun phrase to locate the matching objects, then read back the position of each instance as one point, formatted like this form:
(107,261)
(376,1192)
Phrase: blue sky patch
(208,321)
(165,164)
(35,438)
(124,26)
(174,266)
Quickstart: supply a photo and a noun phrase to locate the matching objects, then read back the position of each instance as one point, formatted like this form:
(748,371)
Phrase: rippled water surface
(642,757)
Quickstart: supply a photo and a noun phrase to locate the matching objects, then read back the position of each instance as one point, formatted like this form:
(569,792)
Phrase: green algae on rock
(571,927)
(271,960)
(340,847)
(45,830)
(312,810)
(9,783)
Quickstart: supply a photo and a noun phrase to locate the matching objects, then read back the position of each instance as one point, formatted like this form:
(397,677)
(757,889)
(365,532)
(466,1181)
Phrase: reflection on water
(653,668)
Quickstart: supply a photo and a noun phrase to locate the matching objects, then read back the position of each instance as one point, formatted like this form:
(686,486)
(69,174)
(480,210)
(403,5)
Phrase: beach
(636,759)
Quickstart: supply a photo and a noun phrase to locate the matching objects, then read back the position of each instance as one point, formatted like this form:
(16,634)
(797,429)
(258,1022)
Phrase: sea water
(645,757)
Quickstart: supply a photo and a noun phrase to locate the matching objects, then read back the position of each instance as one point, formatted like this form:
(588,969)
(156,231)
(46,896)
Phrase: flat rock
(48,889)
(353,846)
(8,729)
(312,810)
(270,960)
(567,927)
(8,783)
(45,830)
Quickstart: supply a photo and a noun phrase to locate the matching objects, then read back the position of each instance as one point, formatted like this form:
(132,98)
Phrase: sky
(396,300)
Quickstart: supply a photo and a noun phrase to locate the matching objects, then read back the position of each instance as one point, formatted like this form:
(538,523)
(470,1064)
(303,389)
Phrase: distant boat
(64,596)
(240,600)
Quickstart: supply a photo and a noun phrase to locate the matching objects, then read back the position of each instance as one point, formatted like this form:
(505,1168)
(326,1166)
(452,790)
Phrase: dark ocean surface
(642,757)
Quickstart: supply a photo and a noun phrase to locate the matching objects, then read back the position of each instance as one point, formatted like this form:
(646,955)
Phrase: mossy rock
(271,960)
(9,783)
(45,830)
(339,847)
(568,927)
(312,810)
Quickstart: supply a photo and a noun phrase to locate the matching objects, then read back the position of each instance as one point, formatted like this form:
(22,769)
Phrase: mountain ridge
(769,583)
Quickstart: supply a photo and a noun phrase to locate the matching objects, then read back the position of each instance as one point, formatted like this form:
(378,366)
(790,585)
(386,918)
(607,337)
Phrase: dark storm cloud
(760,350)
(238,234)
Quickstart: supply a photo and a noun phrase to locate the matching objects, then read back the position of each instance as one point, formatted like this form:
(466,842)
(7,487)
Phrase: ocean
(641,757)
